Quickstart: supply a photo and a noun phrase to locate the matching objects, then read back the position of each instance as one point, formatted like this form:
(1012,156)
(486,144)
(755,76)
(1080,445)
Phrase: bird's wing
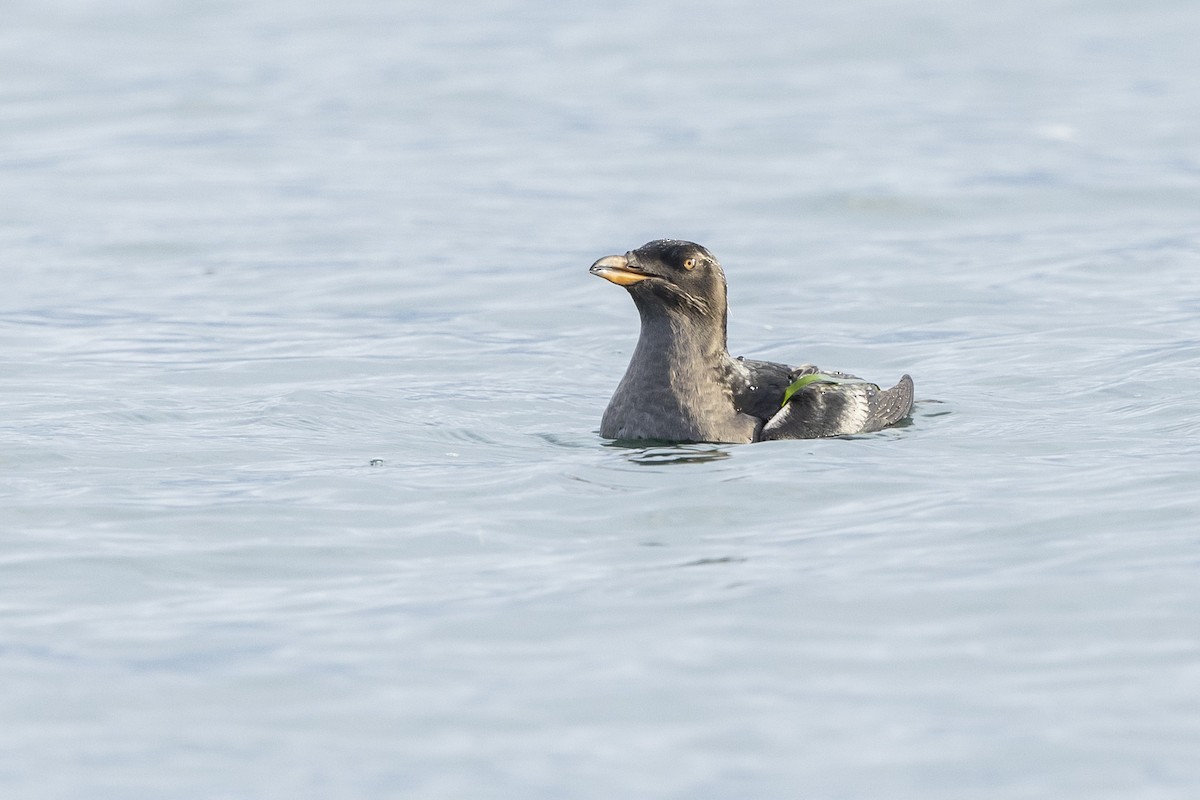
(849,405)
(758,386)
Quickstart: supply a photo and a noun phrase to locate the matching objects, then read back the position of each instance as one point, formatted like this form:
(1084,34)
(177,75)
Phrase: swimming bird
(683,386)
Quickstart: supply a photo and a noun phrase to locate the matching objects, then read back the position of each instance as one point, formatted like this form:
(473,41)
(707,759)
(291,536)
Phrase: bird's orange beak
(618,270)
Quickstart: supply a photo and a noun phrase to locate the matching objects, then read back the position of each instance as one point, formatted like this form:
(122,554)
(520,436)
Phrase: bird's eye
(689,264)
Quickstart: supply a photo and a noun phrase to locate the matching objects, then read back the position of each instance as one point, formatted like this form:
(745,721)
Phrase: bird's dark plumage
(682,385)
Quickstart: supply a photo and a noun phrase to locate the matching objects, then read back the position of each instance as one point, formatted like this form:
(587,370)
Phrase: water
(301,370)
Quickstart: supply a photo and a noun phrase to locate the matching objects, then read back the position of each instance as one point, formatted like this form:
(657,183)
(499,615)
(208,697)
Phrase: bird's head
(670,276)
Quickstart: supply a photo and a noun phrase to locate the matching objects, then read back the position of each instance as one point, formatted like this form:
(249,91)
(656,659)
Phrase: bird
(682,385)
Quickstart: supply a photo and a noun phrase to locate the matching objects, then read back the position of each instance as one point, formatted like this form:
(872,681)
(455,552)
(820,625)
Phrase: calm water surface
(301,370)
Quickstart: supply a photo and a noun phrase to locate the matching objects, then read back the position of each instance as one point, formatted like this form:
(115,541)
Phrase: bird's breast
(679,405)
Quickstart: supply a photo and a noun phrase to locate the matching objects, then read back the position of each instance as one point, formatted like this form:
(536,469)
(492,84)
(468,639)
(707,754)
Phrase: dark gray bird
(683,386)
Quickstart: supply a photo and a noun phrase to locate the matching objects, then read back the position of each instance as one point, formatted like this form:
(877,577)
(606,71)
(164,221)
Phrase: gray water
(301,369)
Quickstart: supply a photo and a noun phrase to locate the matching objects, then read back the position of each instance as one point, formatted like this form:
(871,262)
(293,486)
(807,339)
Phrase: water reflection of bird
(682,385)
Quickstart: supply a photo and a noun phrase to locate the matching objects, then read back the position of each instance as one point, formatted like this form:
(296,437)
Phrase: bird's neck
(684,357)
(677,340)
